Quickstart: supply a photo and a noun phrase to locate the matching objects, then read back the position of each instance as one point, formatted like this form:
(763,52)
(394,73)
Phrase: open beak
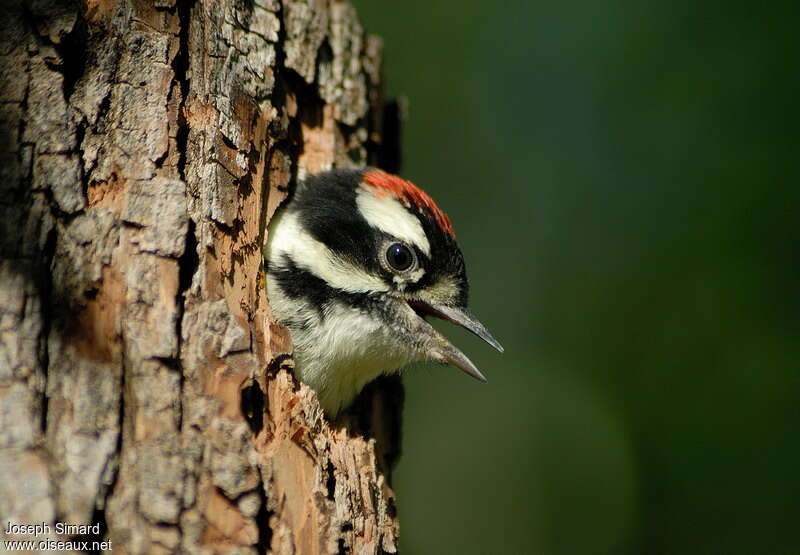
(443,351)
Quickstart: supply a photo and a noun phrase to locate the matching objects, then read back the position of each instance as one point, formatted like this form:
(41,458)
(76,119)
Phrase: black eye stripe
(399,257)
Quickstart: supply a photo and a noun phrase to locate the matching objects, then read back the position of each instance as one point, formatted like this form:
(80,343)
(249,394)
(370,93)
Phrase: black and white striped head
(377,245)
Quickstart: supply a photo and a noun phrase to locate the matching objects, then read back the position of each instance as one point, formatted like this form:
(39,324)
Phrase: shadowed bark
(144,389)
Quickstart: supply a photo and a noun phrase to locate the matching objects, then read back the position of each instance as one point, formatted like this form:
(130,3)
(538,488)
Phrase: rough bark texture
(143,386)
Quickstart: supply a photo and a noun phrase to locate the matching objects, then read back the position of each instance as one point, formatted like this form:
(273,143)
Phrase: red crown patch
(385,183)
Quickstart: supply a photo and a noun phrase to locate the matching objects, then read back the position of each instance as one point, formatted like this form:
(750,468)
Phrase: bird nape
(356,261)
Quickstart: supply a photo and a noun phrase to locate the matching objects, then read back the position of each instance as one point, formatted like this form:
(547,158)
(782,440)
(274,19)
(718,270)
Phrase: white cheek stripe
(386,213)
(288,237)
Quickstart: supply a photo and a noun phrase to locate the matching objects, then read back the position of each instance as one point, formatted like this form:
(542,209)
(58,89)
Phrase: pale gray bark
(143,147)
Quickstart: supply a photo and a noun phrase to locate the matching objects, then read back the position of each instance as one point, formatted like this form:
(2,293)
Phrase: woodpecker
(356,260)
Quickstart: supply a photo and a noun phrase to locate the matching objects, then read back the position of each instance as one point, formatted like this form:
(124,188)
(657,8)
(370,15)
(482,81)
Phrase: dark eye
(399,257)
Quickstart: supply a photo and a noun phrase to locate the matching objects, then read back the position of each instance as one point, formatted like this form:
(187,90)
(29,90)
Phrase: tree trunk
(144,388)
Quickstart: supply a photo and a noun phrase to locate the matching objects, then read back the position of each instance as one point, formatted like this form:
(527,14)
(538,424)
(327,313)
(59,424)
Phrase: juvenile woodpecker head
(356,262)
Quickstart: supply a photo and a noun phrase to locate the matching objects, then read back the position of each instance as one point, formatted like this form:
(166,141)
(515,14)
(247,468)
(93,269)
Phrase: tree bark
(144,388)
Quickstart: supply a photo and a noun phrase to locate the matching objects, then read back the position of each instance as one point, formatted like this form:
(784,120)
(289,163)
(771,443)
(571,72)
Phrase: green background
(622,177)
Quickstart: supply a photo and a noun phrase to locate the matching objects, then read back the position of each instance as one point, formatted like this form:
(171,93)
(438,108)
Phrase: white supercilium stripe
(290,238)
(386,213)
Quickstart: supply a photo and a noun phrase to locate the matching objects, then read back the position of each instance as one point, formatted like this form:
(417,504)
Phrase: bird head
(365,257)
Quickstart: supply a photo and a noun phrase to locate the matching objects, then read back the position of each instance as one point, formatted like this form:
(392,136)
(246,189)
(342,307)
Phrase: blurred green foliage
(623,181)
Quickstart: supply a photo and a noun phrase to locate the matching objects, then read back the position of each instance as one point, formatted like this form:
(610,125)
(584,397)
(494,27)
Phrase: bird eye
(399,257)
